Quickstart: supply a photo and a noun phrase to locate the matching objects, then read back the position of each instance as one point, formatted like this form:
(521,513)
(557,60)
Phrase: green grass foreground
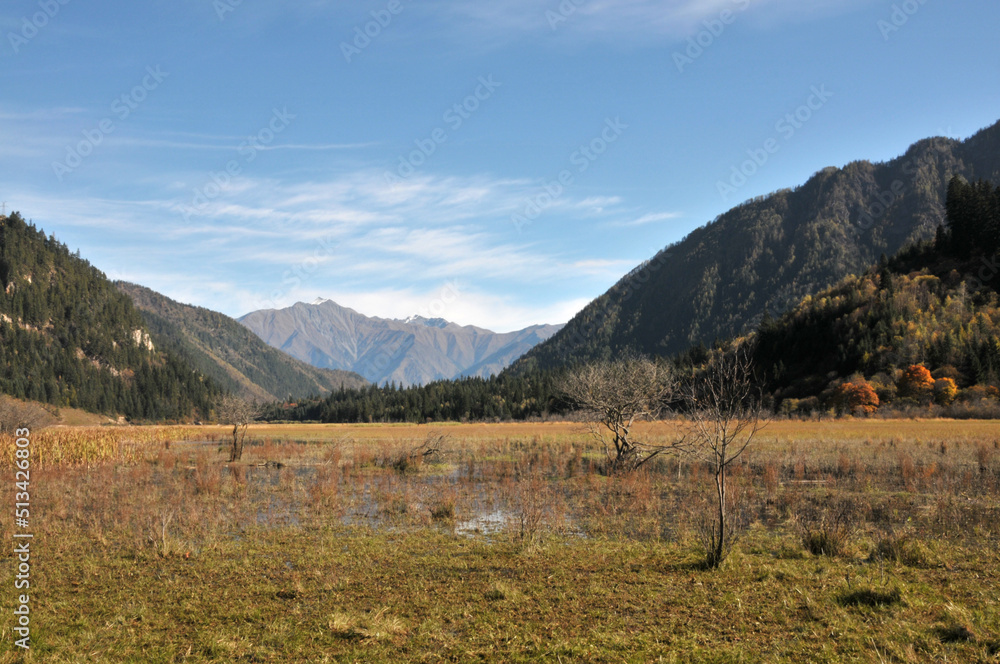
(317,595)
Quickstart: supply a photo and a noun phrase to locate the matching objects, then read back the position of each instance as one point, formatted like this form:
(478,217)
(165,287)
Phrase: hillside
(769,253)
(881,322)
(229,353)
(69,338)
(934,305)
(415,351)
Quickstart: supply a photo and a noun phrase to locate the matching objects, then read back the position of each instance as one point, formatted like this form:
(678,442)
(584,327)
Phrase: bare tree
(615,395)
(238,413)
(726,412)
(15,414)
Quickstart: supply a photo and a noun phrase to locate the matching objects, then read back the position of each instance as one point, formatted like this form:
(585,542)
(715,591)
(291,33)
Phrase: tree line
(503,397)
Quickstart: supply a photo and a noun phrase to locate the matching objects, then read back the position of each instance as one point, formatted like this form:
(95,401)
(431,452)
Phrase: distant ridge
(414,351)
(229,353)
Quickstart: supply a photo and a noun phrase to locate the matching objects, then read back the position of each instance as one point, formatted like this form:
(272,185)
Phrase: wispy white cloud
(41,114)
(648,219)
(133,141)
(615,19)
(266,242)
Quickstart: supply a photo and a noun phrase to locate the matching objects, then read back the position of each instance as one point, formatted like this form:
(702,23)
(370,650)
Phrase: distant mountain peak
(411,351)
(320,300)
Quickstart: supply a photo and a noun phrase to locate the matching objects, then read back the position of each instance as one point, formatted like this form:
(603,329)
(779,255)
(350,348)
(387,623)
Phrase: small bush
(873,598)
(824,542)
(15,414)
(827,534)
(410,460)
(443,510)
(903,550)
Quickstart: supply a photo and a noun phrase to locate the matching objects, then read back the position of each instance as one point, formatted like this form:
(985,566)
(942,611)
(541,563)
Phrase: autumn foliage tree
(916,383)
(945,391)
(856,397)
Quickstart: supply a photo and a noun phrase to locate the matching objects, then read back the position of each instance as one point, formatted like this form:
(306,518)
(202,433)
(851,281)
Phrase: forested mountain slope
(934,305)
(767,254)
(68,337)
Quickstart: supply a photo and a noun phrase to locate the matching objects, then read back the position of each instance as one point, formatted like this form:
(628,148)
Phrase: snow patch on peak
(427,322)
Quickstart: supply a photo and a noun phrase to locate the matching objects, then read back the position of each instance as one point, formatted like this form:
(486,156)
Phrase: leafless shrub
(614,395)
(238,413)
(771,480)
(726,412)
(532,506)
(443,510)
(206,476)
(325,488)
(410,460)
(159,534)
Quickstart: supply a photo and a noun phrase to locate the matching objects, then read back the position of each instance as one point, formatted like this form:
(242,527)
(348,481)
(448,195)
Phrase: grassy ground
(867,541)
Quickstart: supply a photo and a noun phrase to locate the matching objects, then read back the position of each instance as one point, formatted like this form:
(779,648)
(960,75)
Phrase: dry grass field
(864,540)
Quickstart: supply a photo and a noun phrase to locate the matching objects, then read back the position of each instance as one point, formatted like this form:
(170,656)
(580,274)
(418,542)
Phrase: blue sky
(497,164)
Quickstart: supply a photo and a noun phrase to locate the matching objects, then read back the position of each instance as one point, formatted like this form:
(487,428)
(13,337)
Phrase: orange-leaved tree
(916,383)
(856,397)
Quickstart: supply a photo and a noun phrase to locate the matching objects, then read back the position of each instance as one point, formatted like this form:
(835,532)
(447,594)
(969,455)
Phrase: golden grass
(84,446)
(509,545)
(62,445)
